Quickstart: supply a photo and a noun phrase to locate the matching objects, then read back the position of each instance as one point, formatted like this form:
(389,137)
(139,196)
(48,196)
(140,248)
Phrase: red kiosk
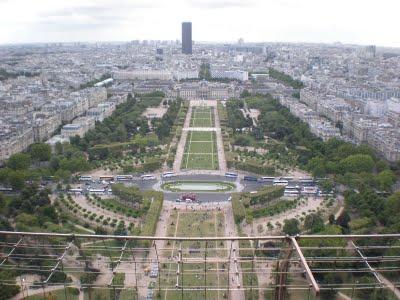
(189,197)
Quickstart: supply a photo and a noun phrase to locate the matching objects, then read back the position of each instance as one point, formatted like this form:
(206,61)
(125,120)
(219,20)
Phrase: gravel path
(161,230)
(182,142)
(220,144)
(235,281)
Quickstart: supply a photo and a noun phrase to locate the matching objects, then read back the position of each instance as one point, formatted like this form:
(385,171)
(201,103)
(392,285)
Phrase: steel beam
(366,262)
(59,261)
(12,250)
(309,274)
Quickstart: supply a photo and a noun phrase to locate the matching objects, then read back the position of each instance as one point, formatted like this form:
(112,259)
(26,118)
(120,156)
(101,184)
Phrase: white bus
(306,180)
(86,178)
(280,182)
(231,175)
(309,190)
(148,177)
(75,191)
(292,188)
(97,191)
(287,178)
(123,177)
(325,194)
(168,174)
(291,193)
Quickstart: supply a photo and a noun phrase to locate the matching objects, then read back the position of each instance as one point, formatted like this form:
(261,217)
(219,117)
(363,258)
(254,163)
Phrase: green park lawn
(200,151)
(202,117)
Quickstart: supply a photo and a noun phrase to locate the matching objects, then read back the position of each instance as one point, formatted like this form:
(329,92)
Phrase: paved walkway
(28,291)
(208,129)
(235,282)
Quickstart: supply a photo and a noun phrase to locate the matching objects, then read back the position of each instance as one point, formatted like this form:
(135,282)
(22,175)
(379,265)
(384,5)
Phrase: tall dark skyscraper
(187,37)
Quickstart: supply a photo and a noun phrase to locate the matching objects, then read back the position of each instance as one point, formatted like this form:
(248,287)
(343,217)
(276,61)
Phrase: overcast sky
(346,21)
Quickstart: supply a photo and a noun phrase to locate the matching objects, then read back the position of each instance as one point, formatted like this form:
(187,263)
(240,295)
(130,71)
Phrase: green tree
(54,163)
(245,94)
(16,179)
(19,161)
(291,226)
(391,213)
(242,140)
(314,223)
(339,125)
(40,152)
(332,219)
(381,165)
(385,180)
(8,290)
(205,71)
(58,148)
(358,163)
(330,279)
(343,220)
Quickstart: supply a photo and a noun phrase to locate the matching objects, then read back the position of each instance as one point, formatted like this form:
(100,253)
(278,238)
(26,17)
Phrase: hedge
(275,209)
(266,194)
(239,211)
(149,166)
(127,194)
(254,167)
(153,214)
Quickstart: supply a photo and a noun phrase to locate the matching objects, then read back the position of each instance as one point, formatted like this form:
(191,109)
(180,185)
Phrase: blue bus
(250,178)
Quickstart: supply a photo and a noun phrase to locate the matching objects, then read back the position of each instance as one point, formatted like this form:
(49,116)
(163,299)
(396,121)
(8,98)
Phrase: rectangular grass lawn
(200,151)
(202,117)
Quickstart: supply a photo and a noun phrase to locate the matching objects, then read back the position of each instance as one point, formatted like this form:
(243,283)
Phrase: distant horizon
(338,43)
(308,21)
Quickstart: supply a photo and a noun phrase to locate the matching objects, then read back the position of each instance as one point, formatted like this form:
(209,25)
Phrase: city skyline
(216,21)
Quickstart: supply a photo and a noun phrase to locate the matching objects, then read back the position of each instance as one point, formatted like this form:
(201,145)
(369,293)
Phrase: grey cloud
(110,8)
(91,17)
(115,8)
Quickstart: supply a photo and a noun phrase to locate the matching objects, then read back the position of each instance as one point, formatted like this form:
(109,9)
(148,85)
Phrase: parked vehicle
(250,178)
(148,177)
(266,178)
(86,178)
(168,175)
(123,177)
(231,175)
(281,182)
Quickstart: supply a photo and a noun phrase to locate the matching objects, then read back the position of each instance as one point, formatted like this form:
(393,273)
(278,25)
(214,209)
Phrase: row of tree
(285,78)
(164,125)
(236,120)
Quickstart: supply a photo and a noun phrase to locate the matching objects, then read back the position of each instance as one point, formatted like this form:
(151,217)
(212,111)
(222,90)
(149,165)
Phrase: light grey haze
(347,21)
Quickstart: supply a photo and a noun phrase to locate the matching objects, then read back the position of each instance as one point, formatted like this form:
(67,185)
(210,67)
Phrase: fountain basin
(198,186)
